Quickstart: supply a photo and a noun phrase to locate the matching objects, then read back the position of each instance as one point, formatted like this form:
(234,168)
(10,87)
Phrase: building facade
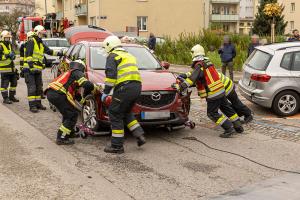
(42,7)
(248,10)
(8,6)
(160,17)
(291,14)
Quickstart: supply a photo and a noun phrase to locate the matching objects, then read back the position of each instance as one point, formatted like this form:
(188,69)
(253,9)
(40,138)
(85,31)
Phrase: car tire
(89,113)
(286,103)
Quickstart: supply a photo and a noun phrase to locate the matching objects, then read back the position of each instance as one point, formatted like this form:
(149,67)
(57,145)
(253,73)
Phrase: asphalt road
(172,165)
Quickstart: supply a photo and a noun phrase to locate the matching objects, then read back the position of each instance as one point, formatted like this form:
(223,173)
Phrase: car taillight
(260,77)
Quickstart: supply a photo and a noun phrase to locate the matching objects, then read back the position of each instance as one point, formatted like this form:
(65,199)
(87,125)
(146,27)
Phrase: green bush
(177,51)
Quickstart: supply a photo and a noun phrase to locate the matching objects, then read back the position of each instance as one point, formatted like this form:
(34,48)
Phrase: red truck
(27,24)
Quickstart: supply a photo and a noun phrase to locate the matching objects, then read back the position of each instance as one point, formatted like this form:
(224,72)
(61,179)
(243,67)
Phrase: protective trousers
(123,99)
(213,106)
(34,84)
(68,112)
(240,108)
(8,84)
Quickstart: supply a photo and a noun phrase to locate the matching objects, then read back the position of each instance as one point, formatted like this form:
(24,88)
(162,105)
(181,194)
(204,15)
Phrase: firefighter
(35,50)
(23,63)
(62,93)
(122,75)
(240,108)
(9,74)
(209,85)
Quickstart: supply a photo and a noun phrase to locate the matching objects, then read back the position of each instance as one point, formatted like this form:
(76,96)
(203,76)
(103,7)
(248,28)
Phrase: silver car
(56,44)
(271,77)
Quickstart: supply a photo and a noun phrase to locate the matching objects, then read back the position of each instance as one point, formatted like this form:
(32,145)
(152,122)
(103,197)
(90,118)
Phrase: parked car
(271,77)
(56,44)
(159,103)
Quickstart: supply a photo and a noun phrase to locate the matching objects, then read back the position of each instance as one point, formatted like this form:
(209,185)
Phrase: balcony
(81,10)
(59,15)
(224,18)
(225,1)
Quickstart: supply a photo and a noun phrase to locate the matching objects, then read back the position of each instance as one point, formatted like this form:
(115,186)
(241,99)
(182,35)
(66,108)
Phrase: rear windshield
(57,43)
(259,60)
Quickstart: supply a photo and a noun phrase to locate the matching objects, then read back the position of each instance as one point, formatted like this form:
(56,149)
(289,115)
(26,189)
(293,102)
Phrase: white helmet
(197,50)
(5,34)
(111,42)
(38,29)
(30,34)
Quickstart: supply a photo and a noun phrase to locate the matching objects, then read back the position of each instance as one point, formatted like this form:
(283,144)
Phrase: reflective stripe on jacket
(127,69)
(227,82)
(5,62)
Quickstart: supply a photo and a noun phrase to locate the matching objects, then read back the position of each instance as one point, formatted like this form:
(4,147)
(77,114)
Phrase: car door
(295,68)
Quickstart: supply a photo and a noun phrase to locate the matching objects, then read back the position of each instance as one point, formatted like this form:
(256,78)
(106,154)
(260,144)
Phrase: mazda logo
(156,96)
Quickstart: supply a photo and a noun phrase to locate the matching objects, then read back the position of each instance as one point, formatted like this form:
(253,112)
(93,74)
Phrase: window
(81,55)
(259,60)
(293,7)
(93,21)
(286,60)
(226,10)
(142,23)
(296,64)
(63,43)
(292,24)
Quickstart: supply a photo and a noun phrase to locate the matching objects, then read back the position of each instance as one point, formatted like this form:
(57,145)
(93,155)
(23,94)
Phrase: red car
(159,104)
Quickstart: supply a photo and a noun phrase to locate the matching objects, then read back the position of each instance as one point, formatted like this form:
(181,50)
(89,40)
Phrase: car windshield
(259,60)
(145,59)
(57,43)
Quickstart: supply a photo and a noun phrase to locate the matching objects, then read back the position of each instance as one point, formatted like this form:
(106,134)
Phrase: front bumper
(254,95)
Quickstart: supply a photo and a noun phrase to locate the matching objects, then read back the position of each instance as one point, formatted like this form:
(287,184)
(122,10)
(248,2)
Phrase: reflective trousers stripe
(133,125)
(221,120)
(118,133)
(234,117)
(64,130)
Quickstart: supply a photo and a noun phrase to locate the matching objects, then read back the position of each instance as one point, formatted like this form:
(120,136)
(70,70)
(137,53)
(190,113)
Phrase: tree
(262,22)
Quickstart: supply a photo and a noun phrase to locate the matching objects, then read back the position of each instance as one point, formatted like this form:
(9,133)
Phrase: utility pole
(46,7)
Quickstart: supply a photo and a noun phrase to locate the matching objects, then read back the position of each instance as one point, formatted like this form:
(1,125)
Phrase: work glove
(30,64)
(12,55)
(103,97)
(7,56)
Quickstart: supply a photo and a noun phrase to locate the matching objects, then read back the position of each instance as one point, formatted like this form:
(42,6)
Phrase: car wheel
(89,113)
(286,103)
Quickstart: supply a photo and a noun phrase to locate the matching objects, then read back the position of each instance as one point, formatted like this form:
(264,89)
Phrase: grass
(177,51)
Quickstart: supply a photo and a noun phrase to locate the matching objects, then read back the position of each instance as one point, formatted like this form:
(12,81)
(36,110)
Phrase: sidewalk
(237,75)
(33,167)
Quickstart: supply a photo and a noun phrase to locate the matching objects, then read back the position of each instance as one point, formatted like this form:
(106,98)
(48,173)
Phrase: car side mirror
(165,64)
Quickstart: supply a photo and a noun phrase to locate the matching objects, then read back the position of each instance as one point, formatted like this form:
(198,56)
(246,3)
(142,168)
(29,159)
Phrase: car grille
(156,99)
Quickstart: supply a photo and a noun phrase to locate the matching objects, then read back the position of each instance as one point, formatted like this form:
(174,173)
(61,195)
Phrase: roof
(93,44)
(281,46)
(54,38)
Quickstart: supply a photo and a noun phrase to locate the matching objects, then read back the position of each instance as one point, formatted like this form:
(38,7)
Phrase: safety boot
(7,101)
(114,149)
(141,140)
(227,133)
(14,99)
(41,107)
(237,125)
(34,110)
(63,139)
(247,119)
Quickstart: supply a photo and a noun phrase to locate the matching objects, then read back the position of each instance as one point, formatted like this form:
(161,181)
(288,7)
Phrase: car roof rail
(283,48)
(96,27)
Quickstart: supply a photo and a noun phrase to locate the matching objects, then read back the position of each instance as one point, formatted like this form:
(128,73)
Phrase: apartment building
(291,14)
(248,10)
(225,13)
(8,6)
(168,17)
(42,7)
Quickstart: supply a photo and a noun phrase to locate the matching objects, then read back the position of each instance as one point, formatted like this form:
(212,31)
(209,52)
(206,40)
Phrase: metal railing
(224,18)
(225,1)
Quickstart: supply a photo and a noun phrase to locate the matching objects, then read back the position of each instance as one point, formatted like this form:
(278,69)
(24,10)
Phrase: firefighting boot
(247,119)
(7,101)
(74,133)
(14,99)
(237,125)
(229,130)
(41,107)
(114,149)
(141,140)
(63,139)
(33,109)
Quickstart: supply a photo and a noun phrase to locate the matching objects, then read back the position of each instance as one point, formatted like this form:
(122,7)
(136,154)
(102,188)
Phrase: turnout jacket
(6,62)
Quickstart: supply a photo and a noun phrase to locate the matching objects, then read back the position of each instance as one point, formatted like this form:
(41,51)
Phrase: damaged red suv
(158,105)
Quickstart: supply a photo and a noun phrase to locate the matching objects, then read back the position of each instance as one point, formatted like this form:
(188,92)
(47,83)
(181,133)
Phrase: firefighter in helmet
(35,50)
(209,85)
(122,75)
(9,74)
(62,92)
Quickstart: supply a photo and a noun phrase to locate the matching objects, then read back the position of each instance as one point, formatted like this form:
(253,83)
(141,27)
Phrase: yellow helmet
(5,34)
(197,50)
(111,42)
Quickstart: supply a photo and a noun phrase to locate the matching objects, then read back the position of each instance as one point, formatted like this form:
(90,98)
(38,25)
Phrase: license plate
(155,115)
